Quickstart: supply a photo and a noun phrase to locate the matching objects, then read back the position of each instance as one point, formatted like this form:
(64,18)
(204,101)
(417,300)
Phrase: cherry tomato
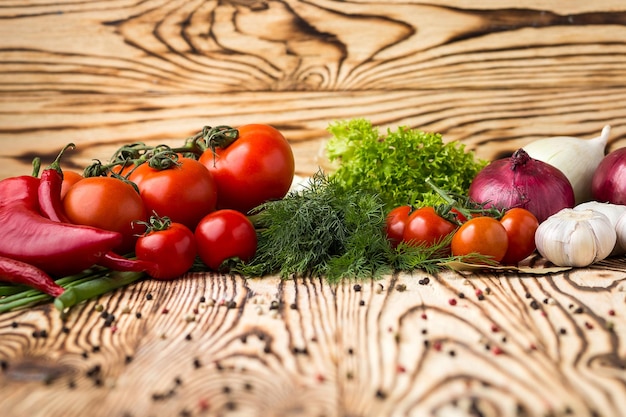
(395,224)
(258,166)
(520,225)
(172,246)
(185,193)
(425,226)
(107,203)
(483,235)
(225,234)
(69,178)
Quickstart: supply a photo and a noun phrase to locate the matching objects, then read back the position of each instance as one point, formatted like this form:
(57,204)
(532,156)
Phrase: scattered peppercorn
(356,288)
(362,302)
(452,301)
(401,287)
(534,305)
(149,296)
(14,324)
(461,295)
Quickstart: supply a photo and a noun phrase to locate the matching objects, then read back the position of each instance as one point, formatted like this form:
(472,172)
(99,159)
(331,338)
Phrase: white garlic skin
(620,229)
(614,212)
(575,238)
(577,158)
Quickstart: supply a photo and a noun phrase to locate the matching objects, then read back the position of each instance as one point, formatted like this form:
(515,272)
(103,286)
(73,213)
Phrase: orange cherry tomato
(69,178)
(481,235)
(107,203)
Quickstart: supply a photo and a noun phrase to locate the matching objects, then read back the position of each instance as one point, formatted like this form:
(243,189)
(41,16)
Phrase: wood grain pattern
(104,74)
(445,344)
(492,75)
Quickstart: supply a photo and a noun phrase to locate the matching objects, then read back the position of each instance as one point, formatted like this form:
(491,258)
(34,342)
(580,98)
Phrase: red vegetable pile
(150,210)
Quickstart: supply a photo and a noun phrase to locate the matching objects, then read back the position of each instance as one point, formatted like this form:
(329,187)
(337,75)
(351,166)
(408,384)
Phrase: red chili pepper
(17,272)
(57,248)
(114,261)
(49,190)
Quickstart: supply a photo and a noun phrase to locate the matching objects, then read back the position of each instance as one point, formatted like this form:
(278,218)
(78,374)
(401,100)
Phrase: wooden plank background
(493,75)
(105,73)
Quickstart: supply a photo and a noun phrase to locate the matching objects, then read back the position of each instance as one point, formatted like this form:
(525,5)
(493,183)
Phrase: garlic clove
(577,158)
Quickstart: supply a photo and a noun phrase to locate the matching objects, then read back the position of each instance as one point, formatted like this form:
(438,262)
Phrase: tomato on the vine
(69,178)
(520,225)
(395,223)
(171,246)
(223,235)
(426,227)
(256,167)
(185,192)
(108,203)
(481,235)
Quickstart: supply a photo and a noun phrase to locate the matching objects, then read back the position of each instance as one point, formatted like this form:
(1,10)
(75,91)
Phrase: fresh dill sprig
(326,230)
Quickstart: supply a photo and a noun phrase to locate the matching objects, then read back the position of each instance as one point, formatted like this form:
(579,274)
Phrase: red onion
(608,184)
(521,181)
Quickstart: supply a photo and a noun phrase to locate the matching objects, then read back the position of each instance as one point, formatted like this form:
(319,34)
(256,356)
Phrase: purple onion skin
(521,181)
(609,179)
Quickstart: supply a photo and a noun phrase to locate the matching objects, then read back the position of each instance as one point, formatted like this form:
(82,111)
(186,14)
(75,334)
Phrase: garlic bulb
(613,212)
(620,229)
(576,158)
(575,237)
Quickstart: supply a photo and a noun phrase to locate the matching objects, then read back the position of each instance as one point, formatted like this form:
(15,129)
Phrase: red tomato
(107,203)
(427,227)
(395,224)
(520,225)
(258,166)
(171,246)
(185,193)
(69,178)
(223,235)
(483,235)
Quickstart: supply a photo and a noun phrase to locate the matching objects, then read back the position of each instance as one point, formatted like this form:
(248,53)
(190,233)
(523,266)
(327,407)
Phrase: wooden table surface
(493,75)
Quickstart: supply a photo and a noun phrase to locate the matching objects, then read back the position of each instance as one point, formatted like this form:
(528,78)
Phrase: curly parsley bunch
(394,166)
